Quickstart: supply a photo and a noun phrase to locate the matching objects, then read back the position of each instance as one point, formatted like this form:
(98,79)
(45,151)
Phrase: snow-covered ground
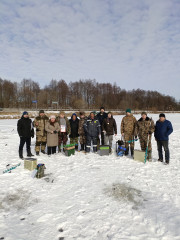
(89,196)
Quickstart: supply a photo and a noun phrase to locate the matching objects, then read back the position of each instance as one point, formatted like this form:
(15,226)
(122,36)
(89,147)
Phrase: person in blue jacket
(163,129)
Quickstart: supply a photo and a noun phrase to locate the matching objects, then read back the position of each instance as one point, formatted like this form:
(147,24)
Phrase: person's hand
(115,134)
(37,124)
(122,134)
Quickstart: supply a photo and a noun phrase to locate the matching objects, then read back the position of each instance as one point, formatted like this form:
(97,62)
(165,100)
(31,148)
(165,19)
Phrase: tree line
(82,94)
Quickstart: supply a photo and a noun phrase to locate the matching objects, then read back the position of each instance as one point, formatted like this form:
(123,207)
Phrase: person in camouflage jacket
(41,135)
(144,129)
(128,124)
(65,129)
(81,132)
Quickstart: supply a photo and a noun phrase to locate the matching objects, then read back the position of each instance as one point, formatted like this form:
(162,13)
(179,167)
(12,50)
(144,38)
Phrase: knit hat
(52,116)
(128,110)
(25,113)
(162,115)
(143,113)
(41,111)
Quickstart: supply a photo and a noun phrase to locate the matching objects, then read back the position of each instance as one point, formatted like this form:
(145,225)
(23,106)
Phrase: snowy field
(89,196)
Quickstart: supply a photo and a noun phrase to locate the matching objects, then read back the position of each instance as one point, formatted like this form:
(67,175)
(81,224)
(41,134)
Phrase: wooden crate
(30,163)
(139,155)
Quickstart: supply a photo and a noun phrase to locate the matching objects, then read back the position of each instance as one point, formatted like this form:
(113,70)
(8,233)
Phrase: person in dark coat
(92,130)
(163,129)
(26,131)
(109,128)
(74,124)
(101,116)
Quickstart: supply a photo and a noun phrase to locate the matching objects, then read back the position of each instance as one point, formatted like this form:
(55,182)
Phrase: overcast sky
(135,43)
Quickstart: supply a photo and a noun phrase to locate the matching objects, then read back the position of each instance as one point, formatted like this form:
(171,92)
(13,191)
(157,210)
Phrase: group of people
(131,130)
(53,132)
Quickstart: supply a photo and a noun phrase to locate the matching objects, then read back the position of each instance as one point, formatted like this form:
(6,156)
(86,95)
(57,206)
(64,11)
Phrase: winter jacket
(109,125)
(74,127)
(40,128)
(92,127)
(144,127)
(163,130)
(68,128)
(101,117)
(81,126)
(25,127)
(52,138)
(128,124)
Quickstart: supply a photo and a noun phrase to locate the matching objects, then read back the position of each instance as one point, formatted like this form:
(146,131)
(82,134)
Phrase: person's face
(92,115)
(61,115)
(162,119)
(82,116)
(128,114)
(41,114)
(53,119)
(74,117)
(102,110)
(26,116)
(143,116)
(109,115)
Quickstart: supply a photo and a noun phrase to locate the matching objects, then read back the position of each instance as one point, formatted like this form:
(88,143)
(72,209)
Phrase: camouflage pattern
(143,129)
(81,130)
(41,135)
(128,125)
(63,137)
(74,141)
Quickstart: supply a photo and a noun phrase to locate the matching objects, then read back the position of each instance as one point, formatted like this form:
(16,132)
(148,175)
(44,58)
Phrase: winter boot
(21,154)
(29,154)
(95,149)
(37,153)
(76,147)
(149,156)
(82,147)
(43,151)
(132,152)
(127,151)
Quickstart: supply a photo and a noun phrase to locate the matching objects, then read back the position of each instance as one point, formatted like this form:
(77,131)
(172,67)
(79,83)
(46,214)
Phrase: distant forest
(83,94)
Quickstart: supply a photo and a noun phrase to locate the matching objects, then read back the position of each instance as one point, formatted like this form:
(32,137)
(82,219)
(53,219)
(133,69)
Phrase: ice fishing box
(40,170)
(104,150)
(139,155)
(69,149)
(30,163)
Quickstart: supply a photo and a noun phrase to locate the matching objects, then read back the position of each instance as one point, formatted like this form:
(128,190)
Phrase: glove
(135,137)
(55,132)
(149,132)
(32,136)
